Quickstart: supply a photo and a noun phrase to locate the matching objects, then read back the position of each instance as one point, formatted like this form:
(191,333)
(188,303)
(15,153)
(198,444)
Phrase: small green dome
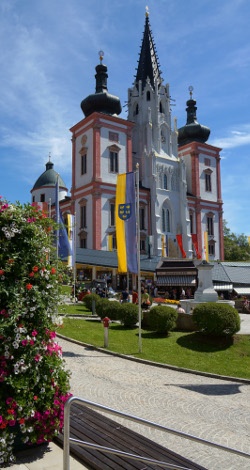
(49,178)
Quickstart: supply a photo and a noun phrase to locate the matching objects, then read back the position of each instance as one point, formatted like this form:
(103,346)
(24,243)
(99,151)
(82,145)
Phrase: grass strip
(191,350)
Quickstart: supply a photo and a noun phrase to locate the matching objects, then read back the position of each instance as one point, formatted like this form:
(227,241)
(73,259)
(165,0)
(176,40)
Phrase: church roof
(109,259)
(49,178)
(192,131)
(148,66)
(101,101)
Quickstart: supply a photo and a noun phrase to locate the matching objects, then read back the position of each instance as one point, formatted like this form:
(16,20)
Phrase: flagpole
(57,231)
(57,216)
(138,254)
(74,256)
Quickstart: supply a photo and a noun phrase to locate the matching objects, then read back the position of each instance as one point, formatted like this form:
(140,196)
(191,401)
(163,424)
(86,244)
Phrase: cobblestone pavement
(210,408)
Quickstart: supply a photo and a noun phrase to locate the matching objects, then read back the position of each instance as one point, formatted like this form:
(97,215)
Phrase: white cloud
(234,138)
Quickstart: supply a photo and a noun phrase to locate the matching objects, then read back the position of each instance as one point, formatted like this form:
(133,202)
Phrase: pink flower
(34,333)
(9,400)
(12,422)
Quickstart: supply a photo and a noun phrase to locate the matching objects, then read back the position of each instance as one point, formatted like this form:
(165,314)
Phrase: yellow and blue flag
(71,238)
(125,212)
(62,242)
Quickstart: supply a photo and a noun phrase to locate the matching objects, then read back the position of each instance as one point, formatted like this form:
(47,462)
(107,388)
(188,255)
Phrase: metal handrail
(67,439)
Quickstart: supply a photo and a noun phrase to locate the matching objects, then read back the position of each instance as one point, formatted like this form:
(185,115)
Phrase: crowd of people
(148,292)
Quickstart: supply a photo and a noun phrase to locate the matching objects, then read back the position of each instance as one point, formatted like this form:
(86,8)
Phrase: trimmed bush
(128,314)
(216,319)
(87,300)
(107,308)
(162,319)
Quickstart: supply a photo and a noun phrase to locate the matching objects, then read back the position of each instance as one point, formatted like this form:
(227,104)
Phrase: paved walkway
(245,324)
(210,408)
(207,407)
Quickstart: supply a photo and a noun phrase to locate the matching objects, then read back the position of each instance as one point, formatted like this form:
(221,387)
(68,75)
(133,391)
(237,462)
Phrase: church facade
(179,172)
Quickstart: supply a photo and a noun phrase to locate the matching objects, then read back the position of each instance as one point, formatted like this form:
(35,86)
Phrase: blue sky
(48,53)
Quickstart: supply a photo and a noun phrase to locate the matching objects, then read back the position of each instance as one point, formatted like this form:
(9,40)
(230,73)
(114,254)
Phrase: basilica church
(180,201)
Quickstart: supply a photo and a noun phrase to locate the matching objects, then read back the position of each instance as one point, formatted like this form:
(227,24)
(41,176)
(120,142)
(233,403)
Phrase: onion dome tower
(192,131)
(101,101)
(44,187)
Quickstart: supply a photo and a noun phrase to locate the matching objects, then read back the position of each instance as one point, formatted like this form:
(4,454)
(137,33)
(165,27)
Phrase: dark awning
(176,281)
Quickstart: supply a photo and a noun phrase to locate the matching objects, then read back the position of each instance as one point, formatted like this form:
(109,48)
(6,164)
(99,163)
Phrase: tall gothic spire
(148,66)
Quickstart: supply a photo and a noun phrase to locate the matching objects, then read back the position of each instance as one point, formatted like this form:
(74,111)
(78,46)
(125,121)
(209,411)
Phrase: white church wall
(79,145)
(208,195)
(107,176)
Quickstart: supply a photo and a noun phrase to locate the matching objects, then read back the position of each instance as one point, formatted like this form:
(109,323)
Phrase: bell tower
(155,149)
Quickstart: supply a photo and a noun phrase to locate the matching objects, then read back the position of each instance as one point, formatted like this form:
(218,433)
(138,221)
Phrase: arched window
(136,109)
(208,180)
(83,239)
(83,154)
(191,218)
(165,220)
(142,217)
(112,213)
(165,182)
(210,224)
(83,213)
(114,159)
(84,164)
(148,95)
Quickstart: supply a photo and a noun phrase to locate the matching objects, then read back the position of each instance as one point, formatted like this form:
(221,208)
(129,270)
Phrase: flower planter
(185,322)
(34,385)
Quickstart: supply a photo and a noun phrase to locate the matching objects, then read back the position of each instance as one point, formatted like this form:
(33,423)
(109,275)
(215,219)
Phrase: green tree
(236,247)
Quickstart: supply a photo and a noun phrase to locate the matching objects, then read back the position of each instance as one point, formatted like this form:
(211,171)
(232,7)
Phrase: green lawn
(73,309)
(188,350)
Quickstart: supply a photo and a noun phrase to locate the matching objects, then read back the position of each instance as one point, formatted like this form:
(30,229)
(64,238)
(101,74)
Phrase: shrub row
(211,318)
(127,313)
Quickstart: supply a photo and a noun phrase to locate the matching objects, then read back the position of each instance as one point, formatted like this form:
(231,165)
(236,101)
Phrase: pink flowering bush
(34,384)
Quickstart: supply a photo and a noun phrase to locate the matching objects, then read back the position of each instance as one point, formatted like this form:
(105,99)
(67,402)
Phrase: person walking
(124,296)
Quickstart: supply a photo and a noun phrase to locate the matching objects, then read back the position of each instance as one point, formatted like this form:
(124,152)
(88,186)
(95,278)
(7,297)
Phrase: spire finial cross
(101,54)
(191,89)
